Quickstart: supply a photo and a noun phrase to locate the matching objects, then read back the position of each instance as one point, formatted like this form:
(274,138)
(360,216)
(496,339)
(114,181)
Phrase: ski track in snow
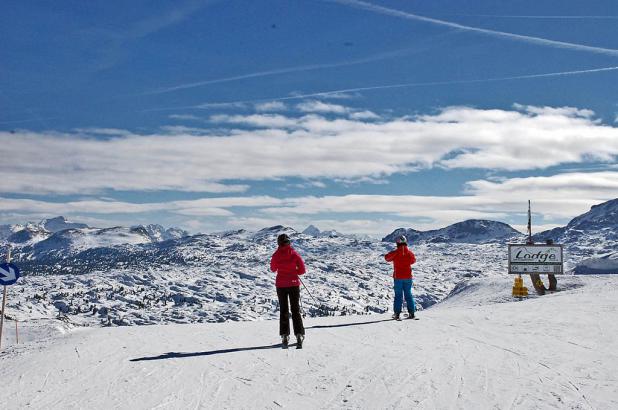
(555,351)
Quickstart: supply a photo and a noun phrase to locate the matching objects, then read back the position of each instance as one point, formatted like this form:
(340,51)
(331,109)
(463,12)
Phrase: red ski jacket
(288,264)
(402,259)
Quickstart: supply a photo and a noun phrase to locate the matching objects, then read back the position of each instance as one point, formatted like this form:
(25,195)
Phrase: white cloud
(311,147)
(558,111)
(270,106)
(555,198)
(309,184)
(204,212)
(316,106)
(184,117)
(195,207)
(364,115)
(183,130)
(109,132)
(257,120)
(322,107)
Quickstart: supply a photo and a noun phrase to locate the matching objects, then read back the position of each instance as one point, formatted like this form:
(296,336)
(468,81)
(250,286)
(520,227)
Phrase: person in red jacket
(402,259)
(289,265)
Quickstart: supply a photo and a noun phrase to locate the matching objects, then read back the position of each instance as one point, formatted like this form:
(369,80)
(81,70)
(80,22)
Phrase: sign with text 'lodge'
(535,259)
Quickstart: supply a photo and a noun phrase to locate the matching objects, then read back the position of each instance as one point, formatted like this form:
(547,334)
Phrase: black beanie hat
(283,239)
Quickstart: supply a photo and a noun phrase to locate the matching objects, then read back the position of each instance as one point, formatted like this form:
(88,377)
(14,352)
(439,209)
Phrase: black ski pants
(293,294)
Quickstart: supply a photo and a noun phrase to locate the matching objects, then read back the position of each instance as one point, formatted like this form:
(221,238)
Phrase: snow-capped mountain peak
(311,230)
(158,233)
(600,216)
(469,231)
(60,223)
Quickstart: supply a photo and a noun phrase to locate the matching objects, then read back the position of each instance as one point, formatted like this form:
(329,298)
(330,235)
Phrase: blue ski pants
(403,287)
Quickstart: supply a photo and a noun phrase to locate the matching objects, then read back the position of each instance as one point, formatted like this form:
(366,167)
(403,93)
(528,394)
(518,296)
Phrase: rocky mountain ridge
(130,276)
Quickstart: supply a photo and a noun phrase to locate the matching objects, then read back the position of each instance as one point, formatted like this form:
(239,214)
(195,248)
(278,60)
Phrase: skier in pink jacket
(289,265)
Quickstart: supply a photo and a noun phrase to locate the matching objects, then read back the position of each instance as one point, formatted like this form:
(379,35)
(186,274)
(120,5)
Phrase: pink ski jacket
(289,265)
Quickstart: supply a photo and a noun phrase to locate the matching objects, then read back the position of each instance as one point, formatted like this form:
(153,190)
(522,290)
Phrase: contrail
(288,70)
(506,16)
(28,120)
(519,37)
(388,86)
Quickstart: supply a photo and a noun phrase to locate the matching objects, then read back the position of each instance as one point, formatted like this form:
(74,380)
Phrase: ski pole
(301,281)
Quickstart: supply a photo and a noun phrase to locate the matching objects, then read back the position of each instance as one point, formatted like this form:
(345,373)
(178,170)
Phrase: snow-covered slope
(217,278)
(476,351)
(157,233)
(7,230)
(605,264)
(600,223)
(312,230)
(27,235)
(31,233)
(591,238)
(71,241)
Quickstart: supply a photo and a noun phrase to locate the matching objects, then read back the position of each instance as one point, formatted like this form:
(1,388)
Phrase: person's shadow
(181,355)
(348,324)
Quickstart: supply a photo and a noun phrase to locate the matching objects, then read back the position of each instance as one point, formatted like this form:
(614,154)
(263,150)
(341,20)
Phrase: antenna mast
(529,223)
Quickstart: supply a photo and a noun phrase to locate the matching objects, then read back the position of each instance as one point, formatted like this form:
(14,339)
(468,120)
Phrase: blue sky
(349,115)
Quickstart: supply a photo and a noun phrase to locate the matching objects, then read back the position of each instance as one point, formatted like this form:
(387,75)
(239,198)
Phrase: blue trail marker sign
(9,274)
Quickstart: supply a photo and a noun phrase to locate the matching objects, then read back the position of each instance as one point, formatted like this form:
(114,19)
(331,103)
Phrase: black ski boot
(299,340)
(285,341)
(396,316)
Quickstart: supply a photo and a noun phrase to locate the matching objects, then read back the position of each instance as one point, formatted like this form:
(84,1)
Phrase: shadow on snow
(181,355)
(348,324)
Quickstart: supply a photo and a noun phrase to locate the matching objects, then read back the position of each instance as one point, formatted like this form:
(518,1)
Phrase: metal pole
(529,224)
(8,260)
(301,281)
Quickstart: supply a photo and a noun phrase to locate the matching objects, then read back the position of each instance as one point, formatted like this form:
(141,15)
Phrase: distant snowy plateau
(150,275)
(476,347)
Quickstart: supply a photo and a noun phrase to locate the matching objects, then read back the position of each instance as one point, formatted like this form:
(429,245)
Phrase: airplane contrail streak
(389,86)
(288,70)
(539,17)
(518,37)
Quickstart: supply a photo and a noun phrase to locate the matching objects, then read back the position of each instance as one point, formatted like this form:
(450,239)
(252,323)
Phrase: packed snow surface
(477,349)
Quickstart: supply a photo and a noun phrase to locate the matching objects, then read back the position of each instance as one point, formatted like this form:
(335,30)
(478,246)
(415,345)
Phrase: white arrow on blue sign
(9,274)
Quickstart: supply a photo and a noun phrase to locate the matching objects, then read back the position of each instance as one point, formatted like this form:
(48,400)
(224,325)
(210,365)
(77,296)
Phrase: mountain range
(148,274)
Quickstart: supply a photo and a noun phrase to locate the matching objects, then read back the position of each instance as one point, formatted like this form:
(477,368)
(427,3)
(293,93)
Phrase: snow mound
(488,291)
(606,264)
